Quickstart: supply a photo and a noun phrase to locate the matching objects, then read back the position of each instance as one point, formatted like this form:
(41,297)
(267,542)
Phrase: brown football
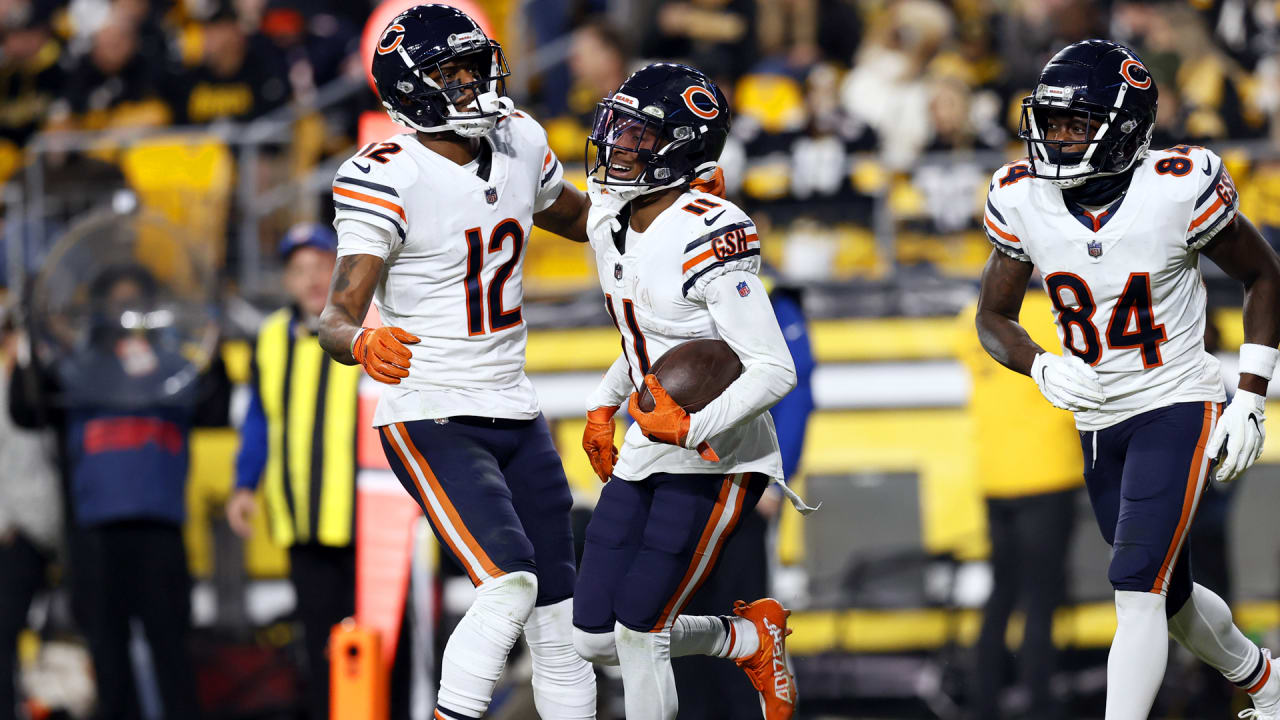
(694,373)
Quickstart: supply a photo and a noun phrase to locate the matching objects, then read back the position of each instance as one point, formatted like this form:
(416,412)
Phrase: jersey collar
(1093,221)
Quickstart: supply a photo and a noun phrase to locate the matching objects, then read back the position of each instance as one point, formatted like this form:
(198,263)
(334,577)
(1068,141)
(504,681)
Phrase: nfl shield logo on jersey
(617,271)
(1095,248)
(491,195)
(743,290)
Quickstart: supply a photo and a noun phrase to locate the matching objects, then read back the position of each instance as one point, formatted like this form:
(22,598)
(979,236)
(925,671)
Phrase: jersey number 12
(1134,308)
(499,319)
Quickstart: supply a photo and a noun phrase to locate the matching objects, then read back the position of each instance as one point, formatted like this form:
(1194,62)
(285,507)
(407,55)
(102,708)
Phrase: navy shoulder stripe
(684,289)
(546,178)
(388,218)
(368,184)
(717,233)
(1213,187)
(995,213)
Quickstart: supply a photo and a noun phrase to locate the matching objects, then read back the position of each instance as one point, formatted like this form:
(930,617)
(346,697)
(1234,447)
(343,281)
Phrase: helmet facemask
(440,86)
(630,152)
(1110,145)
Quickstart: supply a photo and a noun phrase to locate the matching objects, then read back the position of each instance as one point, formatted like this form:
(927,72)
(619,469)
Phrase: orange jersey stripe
(693,263)
(452,512)
(1001,233)
(1205,215)
(370,199)
(1188,500)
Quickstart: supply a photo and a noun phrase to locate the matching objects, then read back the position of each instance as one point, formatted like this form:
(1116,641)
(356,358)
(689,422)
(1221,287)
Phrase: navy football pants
(1145,477)
(495,493)
(651,544)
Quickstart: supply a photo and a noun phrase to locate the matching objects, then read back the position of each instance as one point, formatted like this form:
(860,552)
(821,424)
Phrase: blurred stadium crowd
(864,130)
(864,136)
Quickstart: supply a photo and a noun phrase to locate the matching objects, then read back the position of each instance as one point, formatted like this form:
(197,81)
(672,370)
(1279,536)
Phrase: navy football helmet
(437,71)
(1102,82)
(664,126)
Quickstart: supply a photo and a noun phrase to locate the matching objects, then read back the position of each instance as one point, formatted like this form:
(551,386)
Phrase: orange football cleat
(770,667)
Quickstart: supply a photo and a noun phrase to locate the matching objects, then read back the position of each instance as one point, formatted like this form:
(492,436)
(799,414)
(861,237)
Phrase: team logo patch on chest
(1095,248)
(491,195)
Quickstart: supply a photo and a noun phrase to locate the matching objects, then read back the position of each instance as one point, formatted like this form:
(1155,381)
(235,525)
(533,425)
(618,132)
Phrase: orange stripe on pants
(709,543)
(1190,499)
(449,525)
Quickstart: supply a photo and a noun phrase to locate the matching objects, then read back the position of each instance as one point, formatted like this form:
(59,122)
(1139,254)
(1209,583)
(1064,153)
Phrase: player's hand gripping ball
(684,380)
(597,441)
(383,354)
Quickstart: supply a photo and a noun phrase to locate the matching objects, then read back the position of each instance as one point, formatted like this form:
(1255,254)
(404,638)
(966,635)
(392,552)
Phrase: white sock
(1204,626)
(714,635)
(477,649)
(564,685)
(648,684)
(1139,651)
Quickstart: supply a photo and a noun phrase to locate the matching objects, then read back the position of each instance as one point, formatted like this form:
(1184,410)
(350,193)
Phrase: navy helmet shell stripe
(1105,83)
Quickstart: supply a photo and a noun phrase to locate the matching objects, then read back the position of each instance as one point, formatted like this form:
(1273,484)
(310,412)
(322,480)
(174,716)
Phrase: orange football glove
(668,422)
(597,440)
(382,353)
(713,184)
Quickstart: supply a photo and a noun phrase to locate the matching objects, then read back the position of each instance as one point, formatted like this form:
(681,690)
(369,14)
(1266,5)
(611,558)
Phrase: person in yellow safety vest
(1027,459)
(299,441)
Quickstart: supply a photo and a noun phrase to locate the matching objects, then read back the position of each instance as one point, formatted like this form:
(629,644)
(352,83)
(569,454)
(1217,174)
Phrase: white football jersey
(1125,282)
(454,250)
(654,291)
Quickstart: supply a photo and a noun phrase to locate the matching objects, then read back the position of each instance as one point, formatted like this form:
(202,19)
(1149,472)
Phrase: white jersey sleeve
(732,245)
(371,189)
(357,237)
(737,301)
(549,186)
(525,129)
(614,388)
(1216,198)
(994,222)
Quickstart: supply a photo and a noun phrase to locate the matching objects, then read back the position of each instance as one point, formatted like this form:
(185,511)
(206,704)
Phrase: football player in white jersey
(676,264)
(1117,231)
(433,224)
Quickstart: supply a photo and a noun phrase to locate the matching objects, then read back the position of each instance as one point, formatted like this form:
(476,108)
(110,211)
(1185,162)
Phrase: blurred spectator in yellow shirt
(1029,465)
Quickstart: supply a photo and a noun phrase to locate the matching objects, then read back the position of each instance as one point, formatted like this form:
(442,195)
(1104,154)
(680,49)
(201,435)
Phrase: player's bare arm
(354,279)
(1242,253)
(381,351)
(567,216)
(1004,285)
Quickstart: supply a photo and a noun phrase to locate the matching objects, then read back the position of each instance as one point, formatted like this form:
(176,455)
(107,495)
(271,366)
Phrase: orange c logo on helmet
(394,33)
(1136,74)
(704,106)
